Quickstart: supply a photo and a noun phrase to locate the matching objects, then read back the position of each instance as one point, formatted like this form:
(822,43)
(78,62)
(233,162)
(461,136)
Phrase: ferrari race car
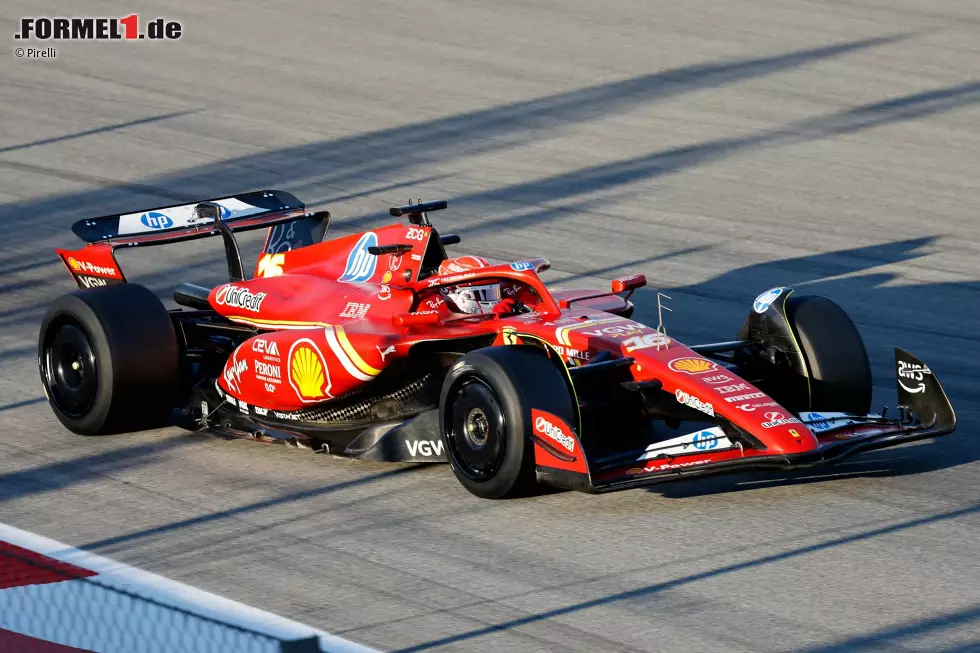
(379,346)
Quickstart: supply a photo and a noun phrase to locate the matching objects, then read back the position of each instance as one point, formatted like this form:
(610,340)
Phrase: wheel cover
(477,430)
(69,371)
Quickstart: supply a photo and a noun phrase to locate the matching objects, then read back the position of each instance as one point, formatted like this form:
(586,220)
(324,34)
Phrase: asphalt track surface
(720,148)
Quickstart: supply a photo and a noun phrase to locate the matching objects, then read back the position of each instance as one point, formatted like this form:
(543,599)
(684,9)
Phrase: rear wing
(290,227)
(166,224)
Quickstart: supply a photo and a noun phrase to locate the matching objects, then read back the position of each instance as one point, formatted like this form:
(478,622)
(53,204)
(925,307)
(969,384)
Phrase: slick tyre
(839,371)
(109,360)
(485,417)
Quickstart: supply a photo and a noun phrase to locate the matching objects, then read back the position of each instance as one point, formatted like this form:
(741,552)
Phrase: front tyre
(809,354)
(837,361)
(109,360)
(485,417)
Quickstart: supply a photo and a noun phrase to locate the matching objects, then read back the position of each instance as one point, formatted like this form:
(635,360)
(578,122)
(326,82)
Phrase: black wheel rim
(69,370)
(477,432)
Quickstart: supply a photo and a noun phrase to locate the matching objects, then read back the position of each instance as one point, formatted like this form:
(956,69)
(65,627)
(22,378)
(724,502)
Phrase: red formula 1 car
(378,346)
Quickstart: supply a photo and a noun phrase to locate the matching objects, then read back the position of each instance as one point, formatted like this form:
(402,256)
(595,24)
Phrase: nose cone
(791,437)
(707,386)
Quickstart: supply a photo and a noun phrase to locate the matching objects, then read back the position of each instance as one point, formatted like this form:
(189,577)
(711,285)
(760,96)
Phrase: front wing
(924,412)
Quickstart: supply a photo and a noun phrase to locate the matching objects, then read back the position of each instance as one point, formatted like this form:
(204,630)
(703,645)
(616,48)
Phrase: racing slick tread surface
(135,351)
(840,374)
(719,148)
(521,377)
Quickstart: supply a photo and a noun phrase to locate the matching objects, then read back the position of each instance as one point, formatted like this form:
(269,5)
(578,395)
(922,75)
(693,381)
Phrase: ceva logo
(360,263)
(156,220)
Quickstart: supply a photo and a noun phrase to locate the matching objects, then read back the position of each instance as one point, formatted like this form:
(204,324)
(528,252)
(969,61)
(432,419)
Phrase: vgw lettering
(424,447)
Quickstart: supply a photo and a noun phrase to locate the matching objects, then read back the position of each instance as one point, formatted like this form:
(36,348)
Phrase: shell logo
(692,365)
(75,265)
(308,371)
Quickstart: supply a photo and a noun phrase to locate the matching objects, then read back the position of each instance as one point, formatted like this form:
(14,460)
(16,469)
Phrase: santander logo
(545,427)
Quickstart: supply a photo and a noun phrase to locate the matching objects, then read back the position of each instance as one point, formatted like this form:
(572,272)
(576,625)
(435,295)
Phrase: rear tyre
(109,360)
(485,417)
(840,373)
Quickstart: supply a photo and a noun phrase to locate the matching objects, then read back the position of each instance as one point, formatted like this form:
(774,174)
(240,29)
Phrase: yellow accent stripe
(286,324)
(352,353)
(563,336)
(338,351)
(561,333)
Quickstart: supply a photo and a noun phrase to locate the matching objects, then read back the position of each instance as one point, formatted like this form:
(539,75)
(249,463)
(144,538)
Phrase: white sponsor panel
(713,439)
(175,217)
(820,422)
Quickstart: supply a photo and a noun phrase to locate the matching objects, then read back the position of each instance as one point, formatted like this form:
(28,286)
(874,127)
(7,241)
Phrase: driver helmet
(472,299)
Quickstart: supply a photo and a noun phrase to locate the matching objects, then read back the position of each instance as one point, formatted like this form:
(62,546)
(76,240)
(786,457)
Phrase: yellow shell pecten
(307,373)
(692,365)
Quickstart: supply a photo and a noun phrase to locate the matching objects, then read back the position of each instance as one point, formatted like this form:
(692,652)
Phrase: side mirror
(415,319)
(630,283)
